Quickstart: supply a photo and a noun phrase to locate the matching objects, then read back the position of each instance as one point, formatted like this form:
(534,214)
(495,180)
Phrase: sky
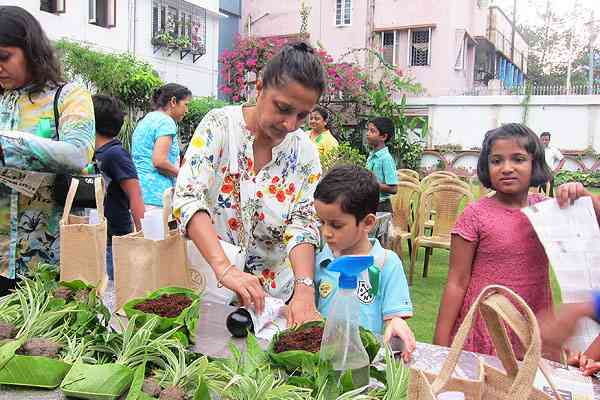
(526,9)
(578,12)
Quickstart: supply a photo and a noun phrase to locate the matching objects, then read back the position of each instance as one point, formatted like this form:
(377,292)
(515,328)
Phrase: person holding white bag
(249,178)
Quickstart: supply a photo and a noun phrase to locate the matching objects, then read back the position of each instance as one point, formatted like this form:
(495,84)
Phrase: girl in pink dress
(493,241)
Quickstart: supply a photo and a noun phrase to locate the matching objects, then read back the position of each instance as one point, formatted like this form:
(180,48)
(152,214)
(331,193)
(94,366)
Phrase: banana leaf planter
(186,321)
(31,371)
(292,360)
(97,382)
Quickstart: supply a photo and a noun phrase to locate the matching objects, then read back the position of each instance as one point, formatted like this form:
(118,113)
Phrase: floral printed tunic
(268,212)
(29,226)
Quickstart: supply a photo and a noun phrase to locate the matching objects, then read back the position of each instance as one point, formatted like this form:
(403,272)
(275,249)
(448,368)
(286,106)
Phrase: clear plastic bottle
(341,339)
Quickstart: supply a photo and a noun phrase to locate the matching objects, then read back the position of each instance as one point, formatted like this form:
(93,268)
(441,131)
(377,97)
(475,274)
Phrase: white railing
(579,90)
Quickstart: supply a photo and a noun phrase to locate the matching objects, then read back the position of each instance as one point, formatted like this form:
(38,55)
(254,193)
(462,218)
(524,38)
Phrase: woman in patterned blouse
(33,146)
(249,178)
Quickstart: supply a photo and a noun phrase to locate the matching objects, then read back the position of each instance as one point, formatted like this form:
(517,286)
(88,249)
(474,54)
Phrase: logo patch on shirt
(325,289)
(363,293)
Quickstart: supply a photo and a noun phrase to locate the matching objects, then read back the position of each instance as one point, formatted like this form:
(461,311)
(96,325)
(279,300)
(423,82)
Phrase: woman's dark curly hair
(18,28)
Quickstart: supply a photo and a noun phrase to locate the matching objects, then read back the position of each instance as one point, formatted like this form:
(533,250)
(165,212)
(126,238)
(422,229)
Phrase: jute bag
(144,265)
(82,245)
(516,383)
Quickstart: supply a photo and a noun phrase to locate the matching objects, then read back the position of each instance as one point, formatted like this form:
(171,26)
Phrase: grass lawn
(426,293)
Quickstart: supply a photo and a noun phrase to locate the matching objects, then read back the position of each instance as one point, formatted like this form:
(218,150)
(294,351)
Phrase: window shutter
(420,47)
(92,11)
(388,44)
(347,12)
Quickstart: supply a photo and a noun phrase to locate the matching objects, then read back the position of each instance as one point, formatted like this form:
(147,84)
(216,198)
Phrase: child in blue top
(346,201)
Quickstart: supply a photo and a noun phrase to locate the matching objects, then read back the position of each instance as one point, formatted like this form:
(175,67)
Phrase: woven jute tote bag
(497,307)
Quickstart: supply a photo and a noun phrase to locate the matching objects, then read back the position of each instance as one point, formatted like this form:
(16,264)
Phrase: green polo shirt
(382,164)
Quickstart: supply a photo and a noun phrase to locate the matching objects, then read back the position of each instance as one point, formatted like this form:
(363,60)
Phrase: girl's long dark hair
(540,173)
(18,28)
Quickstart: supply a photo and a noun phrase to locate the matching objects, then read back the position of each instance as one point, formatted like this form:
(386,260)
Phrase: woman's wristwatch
(304,280)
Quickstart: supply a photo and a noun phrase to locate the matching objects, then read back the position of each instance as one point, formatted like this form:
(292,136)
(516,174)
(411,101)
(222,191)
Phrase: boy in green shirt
(380,161)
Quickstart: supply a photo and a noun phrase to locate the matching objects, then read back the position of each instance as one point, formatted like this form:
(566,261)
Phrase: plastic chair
(447,173)
(410,172)
(404,204)
(446,201)
(408,178)
(430,178)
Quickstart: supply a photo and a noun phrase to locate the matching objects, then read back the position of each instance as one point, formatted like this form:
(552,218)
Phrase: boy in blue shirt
(380,162)
(123,192)
(346,201)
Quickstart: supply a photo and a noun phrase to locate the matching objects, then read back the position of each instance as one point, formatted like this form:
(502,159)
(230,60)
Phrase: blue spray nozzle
(349,268)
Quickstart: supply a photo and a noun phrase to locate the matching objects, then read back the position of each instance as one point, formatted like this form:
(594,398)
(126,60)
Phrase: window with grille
(343,12)
(103,13)
(181,22)
(53,6)
(388,45)
(420,47)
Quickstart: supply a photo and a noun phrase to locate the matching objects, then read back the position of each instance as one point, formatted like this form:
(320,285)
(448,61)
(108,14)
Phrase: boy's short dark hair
(540,173)
(109,115)
(356,189)
(384,126)
(545,134)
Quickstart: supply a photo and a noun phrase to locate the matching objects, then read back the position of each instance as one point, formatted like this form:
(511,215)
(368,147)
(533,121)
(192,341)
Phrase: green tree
(123,76)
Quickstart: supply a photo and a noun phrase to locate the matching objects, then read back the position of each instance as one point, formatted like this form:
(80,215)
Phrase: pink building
(450,46)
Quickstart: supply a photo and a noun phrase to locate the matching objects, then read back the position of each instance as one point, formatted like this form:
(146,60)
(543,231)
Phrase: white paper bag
(199,266)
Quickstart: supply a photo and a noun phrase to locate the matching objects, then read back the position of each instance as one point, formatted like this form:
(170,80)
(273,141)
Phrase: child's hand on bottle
(399,328)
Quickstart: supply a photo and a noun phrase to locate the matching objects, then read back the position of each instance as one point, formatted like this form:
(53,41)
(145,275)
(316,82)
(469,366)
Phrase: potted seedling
(128,350)
(294,347)
(178,380)
(30,355)
(175,308)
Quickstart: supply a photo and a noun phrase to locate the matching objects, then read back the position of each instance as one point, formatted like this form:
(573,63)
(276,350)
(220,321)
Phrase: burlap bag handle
(200,279)
(99,193)
(496,308)
(167,209)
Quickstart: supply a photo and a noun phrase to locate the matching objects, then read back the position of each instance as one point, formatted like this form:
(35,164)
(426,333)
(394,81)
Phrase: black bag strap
(56,113)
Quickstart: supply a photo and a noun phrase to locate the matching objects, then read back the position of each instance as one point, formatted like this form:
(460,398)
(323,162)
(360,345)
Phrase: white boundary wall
(573,121)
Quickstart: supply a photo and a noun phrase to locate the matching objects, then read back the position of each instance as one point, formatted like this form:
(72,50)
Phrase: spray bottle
(341,339)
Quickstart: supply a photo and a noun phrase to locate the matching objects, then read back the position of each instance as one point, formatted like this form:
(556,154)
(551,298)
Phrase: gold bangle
(225,271)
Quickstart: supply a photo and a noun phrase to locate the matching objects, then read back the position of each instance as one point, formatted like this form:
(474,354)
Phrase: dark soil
(40,347)
(151,387)
(167,305)
(172,393)
(63,293)
(306,339)
(7,331)
(82,296)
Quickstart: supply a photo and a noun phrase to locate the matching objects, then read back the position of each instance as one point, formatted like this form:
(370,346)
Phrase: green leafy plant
(128,350)
(249,376)
(588,179)
(179,378)
(124,76)
(345,153)
(198,107)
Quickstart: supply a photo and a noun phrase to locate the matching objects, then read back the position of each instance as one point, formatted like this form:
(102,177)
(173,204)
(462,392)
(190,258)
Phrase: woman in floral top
(249,178)
(31,148)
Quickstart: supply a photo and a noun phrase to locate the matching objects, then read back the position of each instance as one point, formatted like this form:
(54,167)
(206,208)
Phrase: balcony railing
(578,90)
